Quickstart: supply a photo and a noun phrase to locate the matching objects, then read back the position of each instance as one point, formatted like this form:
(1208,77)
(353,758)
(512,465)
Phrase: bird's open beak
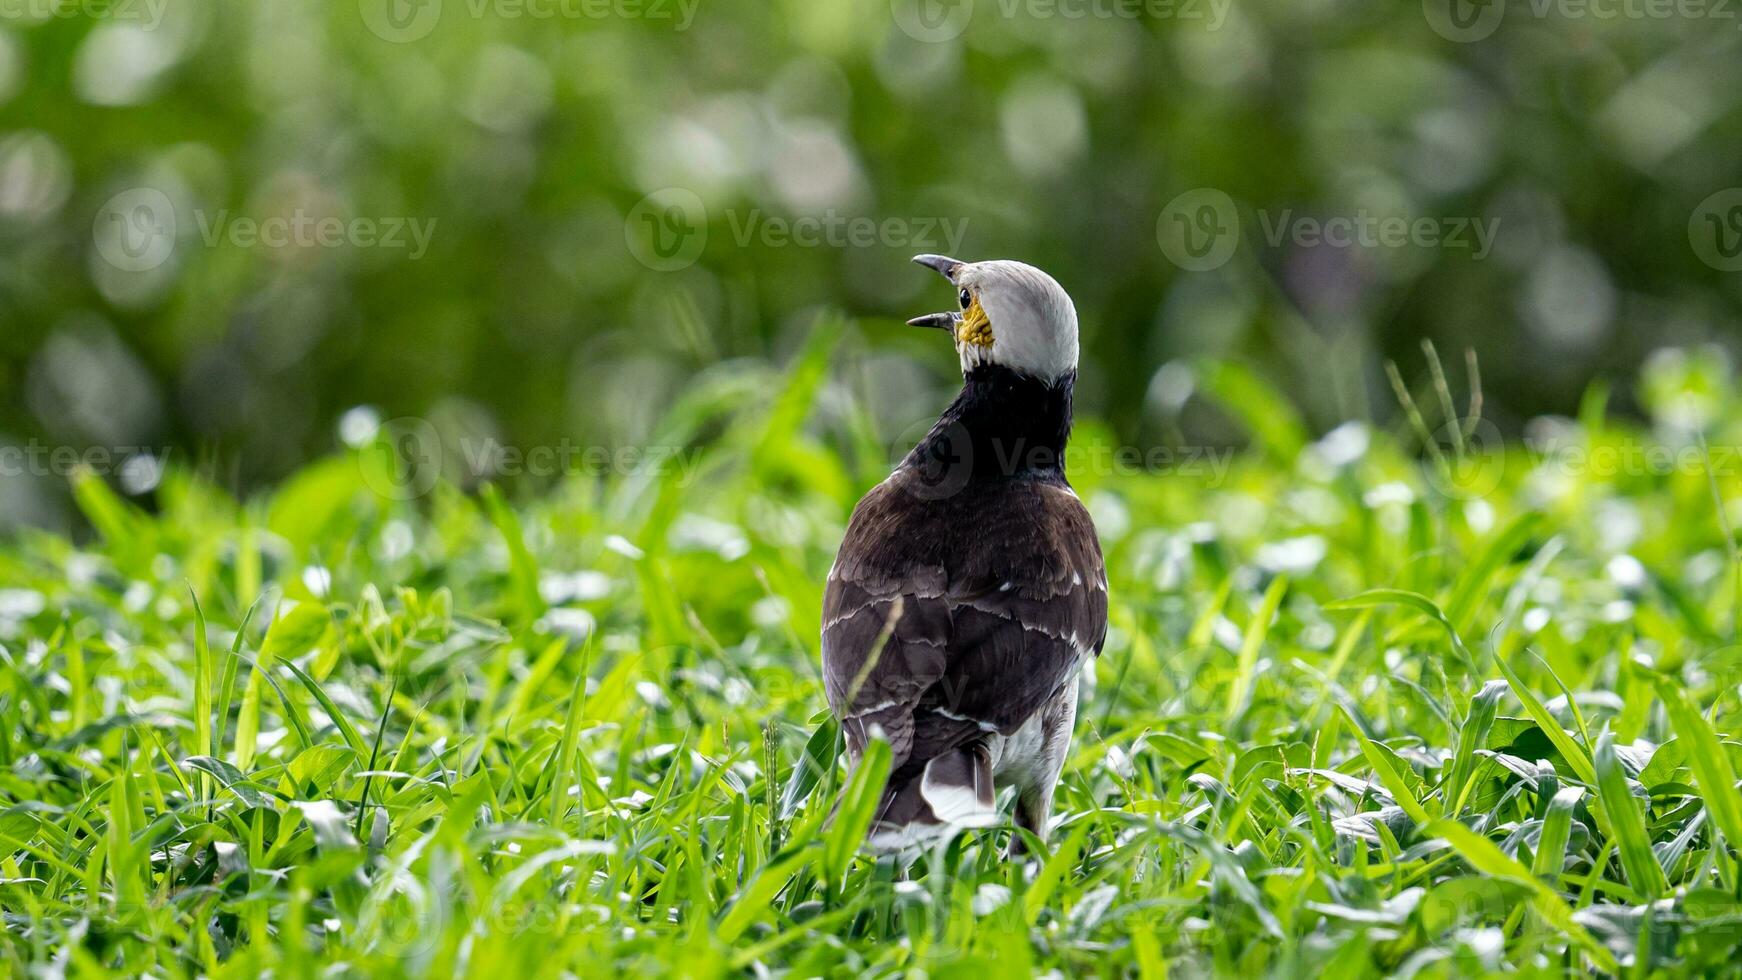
(946,267)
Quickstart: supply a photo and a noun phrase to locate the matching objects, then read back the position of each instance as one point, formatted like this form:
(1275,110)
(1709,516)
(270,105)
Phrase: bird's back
(953,617)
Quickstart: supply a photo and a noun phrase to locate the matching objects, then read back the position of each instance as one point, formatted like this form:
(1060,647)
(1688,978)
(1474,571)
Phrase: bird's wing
(1033,612)
(944,619)
(885,644)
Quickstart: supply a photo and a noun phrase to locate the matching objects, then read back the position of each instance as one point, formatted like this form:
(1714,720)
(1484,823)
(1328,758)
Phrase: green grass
(1344,722)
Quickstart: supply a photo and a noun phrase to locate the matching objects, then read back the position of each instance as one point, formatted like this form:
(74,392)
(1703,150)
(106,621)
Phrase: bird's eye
(966,299)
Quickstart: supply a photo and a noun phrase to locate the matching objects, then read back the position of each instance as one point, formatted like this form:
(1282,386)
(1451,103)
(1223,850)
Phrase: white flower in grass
(1119,762)
(577,623)
(21,603)
(1295,556)
(990,898)
(582,586)
(1627,572)
(1535,619)
(358,426)
(1344,444)
(1394,492)
(318,580)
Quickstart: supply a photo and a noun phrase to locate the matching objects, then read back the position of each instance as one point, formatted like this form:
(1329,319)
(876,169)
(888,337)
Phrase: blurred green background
(224,226)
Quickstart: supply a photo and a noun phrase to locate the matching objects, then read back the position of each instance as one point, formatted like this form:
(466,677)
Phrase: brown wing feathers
(946,620)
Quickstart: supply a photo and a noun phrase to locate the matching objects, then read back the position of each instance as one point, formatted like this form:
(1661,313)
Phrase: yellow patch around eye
(976,327)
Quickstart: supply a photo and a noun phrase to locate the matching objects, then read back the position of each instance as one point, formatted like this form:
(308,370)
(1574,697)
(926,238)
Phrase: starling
(969,590)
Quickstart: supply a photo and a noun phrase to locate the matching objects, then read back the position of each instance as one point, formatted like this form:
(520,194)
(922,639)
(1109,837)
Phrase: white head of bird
(1012,315)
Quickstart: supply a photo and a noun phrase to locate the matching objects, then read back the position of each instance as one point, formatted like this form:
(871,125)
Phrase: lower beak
(937,321)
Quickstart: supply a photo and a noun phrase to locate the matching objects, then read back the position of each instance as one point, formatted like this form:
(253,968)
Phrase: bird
(969,591)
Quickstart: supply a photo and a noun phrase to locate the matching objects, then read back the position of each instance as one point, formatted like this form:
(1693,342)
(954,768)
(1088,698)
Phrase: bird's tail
(952,789)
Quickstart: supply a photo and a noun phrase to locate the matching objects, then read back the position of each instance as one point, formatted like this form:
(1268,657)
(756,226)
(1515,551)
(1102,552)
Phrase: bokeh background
(544,220)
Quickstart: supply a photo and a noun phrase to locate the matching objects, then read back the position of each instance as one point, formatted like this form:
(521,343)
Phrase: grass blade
(1625,822)
(227,680)
(522,568)
(1040,891)
(1485,857)
(566,749)
(202,691)
(859,799)
(816,760)
(347,731)
(757,899)
(1388,775)
(1410,600)
(1473,582)
(1570,750)
(1471,736)
(1713,773)
(1557,827)
(1241,690)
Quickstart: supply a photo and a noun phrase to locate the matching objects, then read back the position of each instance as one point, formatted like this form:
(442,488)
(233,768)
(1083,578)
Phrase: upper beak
(942,264)
(946,267)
